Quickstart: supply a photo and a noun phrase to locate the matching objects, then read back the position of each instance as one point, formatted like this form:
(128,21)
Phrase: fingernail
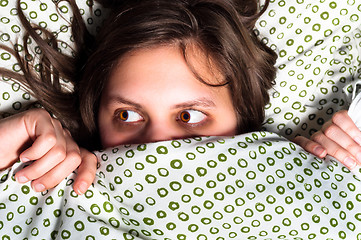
(22,179)
(39,187)
(319,151)
(82,188)
(350,163)
(24,159)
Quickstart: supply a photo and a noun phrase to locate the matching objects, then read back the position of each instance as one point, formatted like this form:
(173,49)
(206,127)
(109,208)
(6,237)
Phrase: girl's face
(152,95)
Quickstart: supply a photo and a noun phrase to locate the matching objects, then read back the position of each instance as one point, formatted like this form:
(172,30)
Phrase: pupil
(124,115)
(186,116)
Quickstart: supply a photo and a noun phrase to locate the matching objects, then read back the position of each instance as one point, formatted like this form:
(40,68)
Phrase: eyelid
(199,123)
(118,111)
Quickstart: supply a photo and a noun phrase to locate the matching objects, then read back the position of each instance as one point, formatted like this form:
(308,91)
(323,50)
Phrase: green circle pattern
(284,193)
(44,14)
(254,186)
(319,48)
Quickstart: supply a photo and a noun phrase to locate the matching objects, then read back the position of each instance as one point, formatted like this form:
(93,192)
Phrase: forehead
(163,74)
(191,61)
(198,60)
(162,66)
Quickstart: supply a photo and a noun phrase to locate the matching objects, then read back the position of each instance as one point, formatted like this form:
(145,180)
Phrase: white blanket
(253,186)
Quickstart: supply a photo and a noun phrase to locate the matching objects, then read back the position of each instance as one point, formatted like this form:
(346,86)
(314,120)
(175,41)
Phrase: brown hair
(223,29)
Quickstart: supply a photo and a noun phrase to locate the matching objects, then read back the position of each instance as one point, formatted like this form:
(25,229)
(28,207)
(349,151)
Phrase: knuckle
(330,131)
(50,138)
(298,140)
(309,145)
(351,130)
(93,158)
(49,183)
(317,137)
(352,148)
(85,154)
(35,173)
(303,142)
(339,116)
(74,157)
(59,152)
(337,153)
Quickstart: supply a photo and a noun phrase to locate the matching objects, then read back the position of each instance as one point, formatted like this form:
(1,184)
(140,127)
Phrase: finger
(334,149)
(44,163)
(41,166)
(57,174)
(86,172)
(46,133)
(310,146)
(344,121)
(343,139)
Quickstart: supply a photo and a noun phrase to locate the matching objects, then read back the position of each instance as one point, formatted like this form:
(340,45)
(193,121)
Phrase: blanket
(253,186)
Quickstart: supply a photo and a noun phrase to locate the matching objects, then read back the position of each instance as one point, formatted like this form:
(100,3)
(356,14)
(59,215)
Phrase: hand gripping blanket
(252,186)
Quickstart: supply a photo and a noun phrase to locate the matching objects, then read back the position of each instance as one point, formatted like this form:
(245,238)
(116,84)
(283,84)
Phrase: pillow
(256,186)
(13,97)
(319,49)
(253,186)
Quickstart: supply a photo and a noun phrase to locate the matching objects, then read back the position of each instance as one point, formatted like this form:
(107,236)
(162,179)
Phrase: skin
(338,137)
(152,93)
(153,88)
(42,139)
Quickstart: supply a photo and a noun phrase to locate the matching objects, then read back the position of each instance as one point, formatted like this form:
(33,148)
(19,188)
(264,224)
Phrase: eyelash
(192,124)
(117,116)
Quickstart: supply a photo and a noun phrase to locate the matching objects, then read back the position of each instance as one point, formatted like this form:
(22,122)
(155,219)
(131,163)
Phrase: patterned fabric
(13,97)
(254,186)
(319,48)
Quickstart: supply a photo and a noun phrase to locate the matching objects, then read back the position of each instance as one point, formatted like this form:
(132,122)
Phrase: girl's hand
(35,135)
(338,137)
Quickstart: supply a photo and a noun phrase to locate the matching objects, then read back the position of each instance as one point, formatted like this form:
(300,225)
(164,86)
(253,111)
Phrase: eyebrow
(121,100)
(201,102)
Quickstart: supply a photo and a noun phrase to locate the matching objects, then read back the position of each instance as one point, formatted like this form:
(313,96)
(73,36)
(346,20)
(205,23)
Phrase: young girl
(158,70)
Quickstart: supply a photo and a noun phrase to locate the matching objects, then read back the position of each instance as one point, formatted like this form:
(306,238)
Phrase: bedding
(319,49)
(253,186)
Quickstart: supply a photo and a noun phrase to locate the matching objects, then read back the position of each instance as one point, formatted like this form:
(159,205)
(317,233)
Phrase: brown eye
(191,116)
(185,116)
(123,115)
(129,116)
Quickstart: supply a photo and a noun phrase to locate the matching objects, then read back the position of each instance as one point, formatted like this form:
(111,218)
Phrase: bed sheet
(253,186)
(318,44)
(319,49)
